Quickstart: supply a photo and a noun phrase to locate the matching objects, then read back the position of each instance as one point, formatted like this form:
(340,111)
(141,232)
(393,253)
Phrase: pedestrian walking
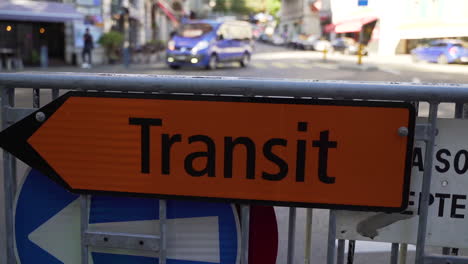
(88,45)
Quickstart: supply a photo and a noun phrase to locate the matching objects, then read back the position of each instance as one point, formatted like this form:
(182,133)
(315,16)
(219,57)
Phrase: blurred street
(270,61)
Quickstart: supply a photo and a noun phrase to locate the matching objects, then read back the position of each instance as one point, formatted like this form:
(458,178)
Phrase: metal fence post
(341,251)
(245,225)
(291,234)
(459,110)
(84,208)
(460,113)
(308,234)
(163,231)
(351,247)
(331,237)
(403,253)
(465,110)
(55,93)
(36,98)
(446,251)
(394,253)
(9,178)
(426,185)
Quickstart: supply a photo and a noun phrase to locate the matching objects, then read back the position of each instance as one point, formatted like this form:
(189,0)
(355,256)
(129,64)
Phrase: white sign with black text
(448,211)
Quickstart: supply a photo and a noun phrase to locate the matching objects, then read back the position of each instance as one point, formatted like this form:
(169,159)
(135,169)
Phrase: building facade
(37,38)
(59,28)
(402,24)
(303,17)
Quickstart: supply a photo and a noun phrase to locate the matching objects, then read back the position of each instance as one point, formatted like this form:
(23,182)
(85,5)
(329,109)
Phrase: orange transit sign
(313,153)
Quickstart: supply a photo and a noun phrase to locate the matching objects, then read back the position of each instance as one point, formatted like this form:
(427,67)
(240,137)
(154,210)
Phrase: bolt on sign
(297,152)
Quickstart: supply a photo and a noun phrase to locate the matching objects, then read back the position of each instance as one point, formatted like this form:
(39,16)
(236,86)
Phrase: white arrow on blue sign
(47,227)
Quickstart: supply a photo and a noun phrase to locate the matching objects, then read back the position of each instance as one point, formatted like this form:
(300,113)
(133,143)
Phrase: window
(194,30)
(438,44)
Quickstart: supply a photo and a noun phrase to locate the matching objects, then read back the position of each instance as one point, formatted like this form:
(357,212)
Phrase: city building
(429,19)
(167,18)
(303,17)
(31,29)
(400,24)
(200,8)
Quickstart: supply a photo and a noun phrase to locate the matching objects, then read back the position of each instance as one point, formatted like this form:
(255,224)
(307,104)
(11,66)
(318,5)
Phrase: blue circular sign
(47,227)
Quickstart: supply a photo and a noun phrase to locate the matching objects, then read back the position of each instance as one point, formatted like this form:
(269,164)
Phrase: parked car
(322,44)
(347,46)
(442,51)
(257,30)
(308,43)
(297,42)
(264,38)
(277,40)
(206,43)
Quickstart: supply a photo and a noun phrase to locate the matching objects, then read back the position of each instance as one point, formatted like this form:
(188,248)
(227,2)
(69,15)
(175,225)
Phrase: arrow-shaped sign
(333,154)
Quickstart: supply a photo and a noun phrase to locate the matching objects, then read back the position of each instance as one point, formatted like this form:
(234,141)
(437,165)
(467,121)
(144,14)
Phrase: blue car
(441,51)
(206,43)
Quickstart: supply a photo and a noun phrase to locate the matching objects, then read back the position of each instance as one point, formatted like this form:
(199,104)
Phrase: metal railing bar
(445,251)
(55,93)
(351,248)
(459,110)
(308,236)
(331,237)
(394,253)
(426,185)
(84,209)
(163,231)
(241,86)
(9,176)
(245,226)
(36,98)
(403,253)
(340,252)
(122,240)
(291,235)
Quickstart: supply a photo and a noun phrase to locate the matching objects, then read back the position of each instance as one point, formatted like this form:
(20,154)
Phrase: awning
(38,11)
(168,12)
(353,25)
(329,28)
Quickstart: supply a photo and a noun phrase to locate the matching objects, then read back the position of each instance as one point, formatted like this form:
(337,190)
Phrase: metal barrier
(432,93)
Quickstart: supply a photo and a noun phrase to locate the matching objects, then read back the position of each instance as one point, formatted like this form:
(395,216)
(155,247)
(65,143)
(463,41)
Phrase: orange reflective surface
(91,143)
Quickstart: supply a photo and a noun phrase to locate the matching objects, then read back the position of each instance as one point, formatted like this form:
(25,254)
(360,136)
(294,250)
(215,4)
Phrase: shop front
(34,32)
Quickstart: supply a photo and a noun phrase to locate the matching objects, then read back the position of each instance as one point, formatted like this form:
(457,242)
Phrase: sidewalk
(369,63)
(393,64)
(103,68)
(405,62)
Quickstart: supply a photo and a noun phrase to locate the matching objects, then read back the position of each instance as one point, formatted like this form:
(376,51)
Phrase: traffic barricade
(343,146)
